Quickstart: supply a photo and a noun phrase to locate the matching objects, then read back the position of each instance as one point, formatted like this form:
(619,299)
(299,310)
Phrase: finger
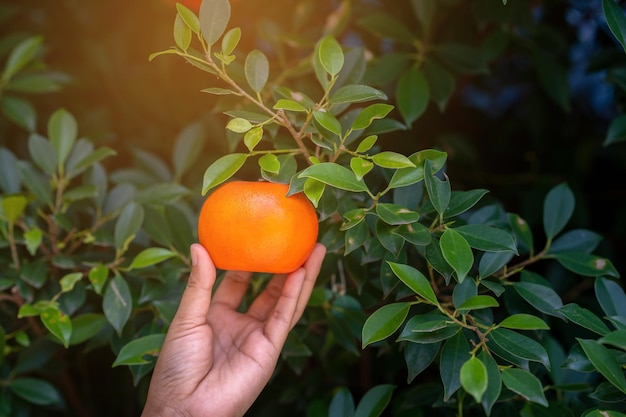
(279,320)
(312,268)
(232,289)
(266,301)
(194,304)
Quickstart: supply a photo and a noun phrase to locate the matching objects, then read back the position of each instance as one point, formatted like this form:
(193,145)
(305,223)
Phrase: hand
(215,361)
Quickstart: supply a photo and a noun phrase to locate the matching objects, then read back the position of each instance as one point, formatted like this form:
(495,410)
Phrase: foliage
(435,298)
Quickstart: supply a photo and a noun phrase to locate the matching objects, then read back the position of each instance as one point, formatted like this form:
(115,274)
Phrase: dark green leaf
(616,338)
(524,321)
(86,326)
(461,201)
(418,356)
(519,346)
(356,93)
(133,352)
(585,318)
(415,280)
(542,297)
(384,322)
(611,297)
(58,324)
(117,303)
(412,95)
(386,236)
(151,256)
(35,391)
(494,381)
(454,354)
(558,207)
(525,384)
(374,401)
(387,26)
(461,58)
(487,238)
(586,264)
(522,231)
(62,132)
(342,404)
(604,362)
(188,148)
(477,302)
(127,225)
(428,328)
(492,262)
(615,19)
(414,233)
(438,189)
(409,176)
(617,130)
(43,153)
(395,214)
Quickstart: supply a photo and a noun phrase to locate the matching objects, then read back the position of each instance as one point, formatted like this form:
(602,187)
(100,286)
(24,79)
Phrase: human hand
(215,361)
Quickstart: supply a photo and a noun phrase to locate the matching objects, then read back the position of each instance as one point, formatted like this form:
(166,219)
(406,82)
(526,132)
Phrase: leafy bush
(436,298)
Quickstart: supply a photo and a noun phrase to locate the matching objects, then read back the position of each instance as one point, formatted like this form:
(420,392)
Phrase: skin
(215,361)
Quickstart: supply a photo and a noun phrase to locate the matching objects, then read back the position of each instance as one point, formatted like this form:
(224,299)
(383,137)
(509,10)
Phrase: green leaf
(117,303)
(367,143)
(257,70)
(68,281)
(487,238)
(334,175)
(189,17)
(474,378)
(151,256)
(97,277)
(558,207)
(214,16)
(231,40)
(604,362)
(58,324)
(617,129)
(441,82)
(89,160)
(182,33)
(289,105)
(611,297)
(239,125)
(33,238)
(374,401)
(13,207)
(62,132)
(409,176)
(43,153)
(392,160)
(494,381)
(252,137)
(35,391)
(478,302)
(360,167)
(525,384)
(133,352)
(342,404)
(353,218)
(541,297)
(328,122)
(524,321)
(522,230)
(585,318)
(457,252)
(187,148)
(616,338)
(384,322)
(395,214)
(577,240)
(222,169)
(586,264)
(390,240)
(387,26)
(519,346)
(86,326)
(9,174)
(414,233)
(492,262)
(615,19)
(438,190)
(461,201)
(269,162)
(415,280)
(314,190)
(19,111)
(418,357)
(127,225)
(330,55)
(454,354)
(412,95)
(372,112)
(356,93)
(428,328)
(21,55)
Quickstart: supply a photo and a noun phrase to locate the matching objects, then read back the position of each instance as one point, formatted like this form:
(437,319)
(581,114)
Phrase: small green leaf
(525,384)
(438,190)
(454,354)
(384,322)
(117,303)
(43,153)
(330,55)
(182,33)
(415,280)
(257,70)
(392,160)
(586,264)
(604,362)
(494,381)
(353,218)
(68,281)
(585,318)
(189,17)
(557,209)
(617,129)
(62,132)
(222,169)
(356,93)
(97,276)
(314,190)
(541,297)
(616,338)
(478,302)
(367,144)
(412,95)
(615,19)
(374,401)
(611,297)
(133,352)
(289,105)
(127,225)
(58,324)
(372,112)
(520,346)
(21,55)
(214,16)
(13,207)
(33,238)
(395,214)
(487,238)
(151,256)
(270,163)
(524,321)
(474,378)
(328,122)
(360,167)
(253,137)
(238,125)
(231,40)
(457,252)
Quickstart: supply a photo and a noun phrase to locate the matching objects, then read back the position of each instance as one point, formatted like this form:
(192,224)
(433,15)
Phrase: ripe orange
(254,226)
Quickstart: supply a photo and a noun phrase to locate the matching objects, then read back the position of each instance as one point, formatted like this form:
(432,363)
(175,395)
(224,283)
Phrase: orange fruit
(191,4)
(253,226)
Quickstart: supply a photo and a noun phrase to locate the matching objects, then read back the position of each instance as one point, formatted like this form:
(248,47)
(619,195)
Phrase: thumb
(194,304)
